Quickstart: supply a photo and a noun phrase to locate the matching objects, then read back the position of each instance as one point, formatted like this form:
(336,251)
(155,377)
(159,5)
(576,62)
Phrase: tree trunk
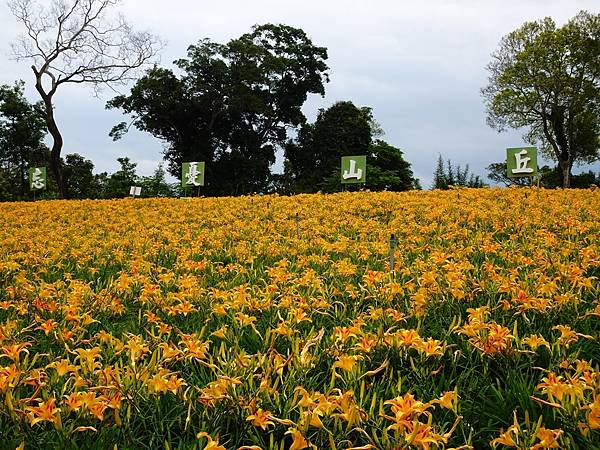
(57,144)
(55,155)
(557,117)
(565,167)
(57,140)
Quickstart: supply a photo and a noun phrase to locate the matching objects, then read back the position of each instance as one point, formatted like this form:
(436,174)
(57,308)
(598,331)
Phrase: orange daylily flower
(45,411)
(260,419)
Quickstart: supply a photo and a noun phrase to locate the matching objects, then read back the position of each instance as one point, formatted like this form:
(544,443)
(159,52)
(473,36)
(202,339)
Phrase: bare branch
(81,41)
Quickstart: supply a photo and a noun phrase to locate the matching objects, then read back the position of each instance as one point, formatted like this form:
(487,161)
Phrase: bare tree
(78,41)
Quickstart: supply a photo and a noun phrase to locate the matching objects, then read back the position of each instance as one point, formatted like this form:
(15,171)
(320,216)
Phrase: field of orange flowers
(228,323)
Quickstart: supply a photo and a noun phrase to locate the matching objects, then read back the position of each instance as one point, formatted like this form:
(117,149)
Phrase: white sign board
(135,190)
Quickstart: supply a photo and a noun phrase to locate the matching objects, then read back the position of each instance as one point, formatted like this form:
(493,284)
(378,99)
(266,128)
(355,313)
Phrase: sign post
(354,169)
(135,191)
(37,179)
(192,175)
(521,162)
(392,261)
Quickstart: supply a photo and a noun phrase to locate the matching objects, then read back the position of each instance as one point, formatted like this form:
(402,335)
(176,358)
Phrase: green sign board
(521,162)
(37,178)
(354,169)
(192,174)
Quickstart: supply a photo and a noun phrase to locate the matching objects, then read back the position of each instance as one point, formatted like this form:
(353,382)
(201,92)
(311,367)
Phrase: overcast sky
(418,64)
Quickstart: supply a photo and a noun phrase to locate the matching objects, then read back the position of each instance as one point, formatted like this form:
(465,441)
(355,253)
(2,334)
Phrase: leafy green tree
(120,182)
(312,160)
(450,175)
(5,188)
(387,169)
(232,105)
(440,180)
(465,178)
(22,132)
(157,185)
(551,177)
(102,183)
(180,112)
(497,172)
(314,156)
(547,79)
(585,180)
(78,172)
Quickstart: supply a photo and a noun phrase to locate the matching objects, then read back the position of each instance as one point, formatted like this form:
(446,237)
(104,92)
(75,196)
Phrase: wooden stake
(392,247)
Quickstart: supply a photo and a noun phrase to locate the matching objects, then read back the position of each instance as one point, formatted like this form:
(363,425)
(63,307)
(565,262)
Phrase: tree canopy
(232,105)
(447,175)
(22,132)
(79,177)
(343,129)
(388,170)
(497,172)
(547,79)
(312,159)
